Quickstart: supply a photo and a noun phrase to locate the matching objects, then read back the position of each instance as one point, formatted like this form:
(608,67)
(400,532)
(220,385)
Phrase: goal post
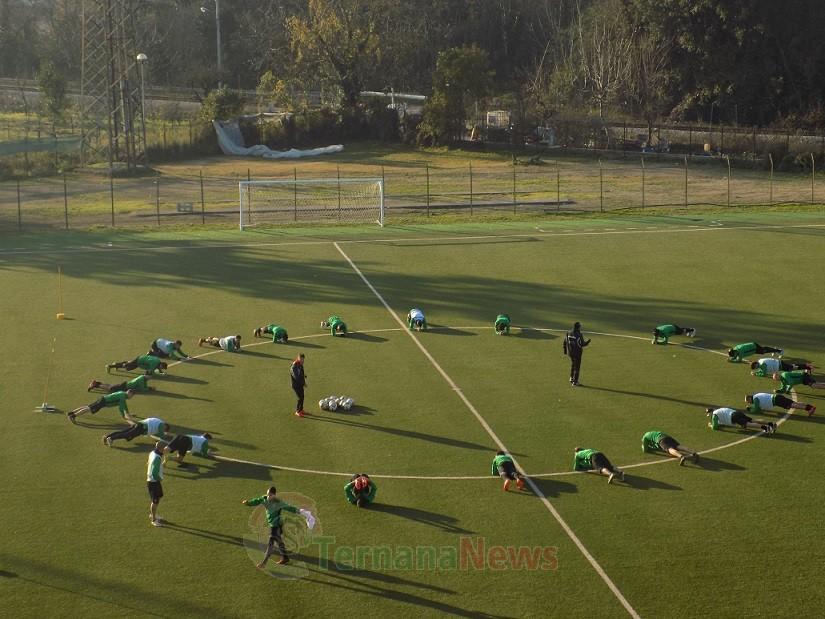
(345,200)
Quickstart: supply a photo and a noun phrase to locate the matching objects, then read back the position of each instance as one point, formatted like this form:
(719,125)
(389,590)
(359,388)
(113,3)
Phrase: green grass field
(736,536)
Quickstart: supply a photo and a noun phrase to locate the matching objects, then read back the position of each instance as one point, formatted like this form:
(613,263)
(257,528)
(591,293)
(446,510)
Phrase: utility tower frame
(112,123)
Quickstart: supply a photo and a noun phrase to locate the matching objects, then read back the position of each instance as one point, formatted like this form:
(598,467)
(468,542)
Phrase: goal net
(346,200)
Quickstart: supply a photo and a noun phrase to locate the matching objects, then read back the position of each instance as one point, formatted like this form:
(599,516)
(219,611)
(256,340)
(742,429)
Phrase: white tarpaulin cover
(231,142)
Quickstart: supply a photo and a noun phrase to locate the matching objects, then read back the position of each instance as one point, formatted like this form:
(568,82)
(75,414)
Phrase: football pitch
(736,535)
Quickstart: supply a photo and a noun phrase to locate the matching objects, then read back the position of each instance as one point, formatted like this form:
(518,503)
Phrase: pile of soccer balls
(334,402)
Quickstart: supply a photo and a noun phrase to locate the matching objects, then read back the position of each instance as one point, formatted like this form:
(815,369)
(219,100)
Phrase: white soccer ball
(347,404)
(322,404)
(333,405)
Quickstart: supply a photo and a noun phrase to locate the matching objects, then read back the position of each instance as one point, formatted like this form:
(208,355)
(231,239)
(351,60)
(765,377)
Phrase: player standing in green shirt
(592,460)
(274,506)
(154,477)
(277,332)
(796,377)
(138,383)
(662,333)
(148,363)
(740,351)
(360,490)
(335,325)
(118,398)
(653,440)
(504,467)
(502,324)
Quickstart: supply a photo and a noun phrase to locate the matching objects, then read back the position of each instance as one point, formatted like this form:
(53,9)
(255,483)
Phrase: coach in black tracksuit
(574,344)
(299,381)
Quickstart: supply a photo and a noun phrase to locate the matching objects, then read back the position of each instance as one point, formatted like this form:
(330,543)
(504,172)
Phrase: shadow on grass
(444,330)
(212,536)
(205,361)
(440,521)
(712,464)
(552,487)
(646,483)
(533,334)
(366,337)
(302,344)
(432,438)
(176,378)
(176,396)
(257,353)
(646,395)
(357,409)
(237,470)
(349,581)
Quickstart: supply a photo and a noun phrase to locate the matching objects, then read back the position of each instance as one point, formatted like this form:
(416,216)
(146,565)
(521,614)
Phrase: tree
(461,75)
(648,77)
(52,87)
(338,42)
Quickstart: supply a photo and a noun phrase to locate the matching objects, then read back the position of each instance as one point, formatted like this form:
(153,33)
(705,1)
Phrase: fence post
(157,199)
(65,201)
(558,190)
(19,211)
(427,167)
(338,171)
(190,133)
(514,190)
(721,139)
(112,194)
(754,142)
(601,188)
(686,181)
(164,136)
(643,181)
(690,140)
(295,193)
(727,159)
(471,189)
(770,183)
(813,176)
(383,182)
(203,204)
(248,198)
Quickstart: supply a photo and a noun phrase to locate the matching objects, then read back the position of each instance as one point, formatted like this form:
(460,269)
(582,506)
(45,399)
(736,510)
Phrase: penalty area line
(533,486)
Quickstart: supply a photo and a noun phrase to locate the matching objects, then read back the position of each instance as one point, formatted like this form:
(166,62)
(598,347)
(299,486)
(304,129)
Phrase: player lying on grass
(662,333)
(796,377)
(502,324)
(138,383)
(151,426)
(148,363)
(592,460)
(653,440)
(416,320)
(230,343)
(768,366)
(277,332)
(118,398)
(167,349)
(759,402)
(740,351)
(360,490)
(274,506)
(335,325)
(731,417)
(196,444)
(504,467)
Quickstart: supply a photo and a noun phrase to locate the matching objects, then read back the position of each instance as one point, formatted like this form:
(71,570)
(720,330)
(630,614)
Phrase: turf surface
(736,536)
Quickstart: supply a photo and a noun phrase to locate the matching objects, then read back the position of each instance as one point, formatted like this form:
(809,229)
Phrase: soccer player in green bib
(148,363)
(502,324)
(138,383)
(593,460)
(274,506)
(230,343)
(662,333)
(504,467)
(196,444)
(151,426)
(360,490)
(118,398)
(796,377)
(759,402)
(167,349)
(656,440)
(416,319)
(725,416)
(277,332)
(740,351)
(335,325)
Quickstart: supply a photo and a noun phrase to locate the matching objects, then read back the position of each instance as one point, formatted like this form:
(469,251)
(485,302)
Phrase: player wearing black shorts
(592,460)
(504,467)
(154,479)
(656,440)
(197,444)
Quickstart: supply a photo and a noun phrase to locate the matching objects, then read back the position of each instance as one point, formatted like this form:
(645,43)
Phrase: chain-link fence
(411,190)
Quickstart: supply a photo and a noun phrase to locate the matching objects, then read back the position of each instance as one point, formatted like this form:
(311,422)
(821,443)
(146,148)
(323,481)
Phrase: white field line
(534,487)
(543,235)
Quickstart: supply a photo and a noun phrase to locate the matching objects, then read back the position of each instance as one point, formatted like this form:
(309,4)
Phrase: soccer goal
(346,200)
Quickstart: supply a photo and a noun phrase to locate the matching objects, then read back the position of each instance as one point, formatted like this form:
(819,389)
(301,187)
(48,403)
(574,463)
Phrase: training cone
(60,316)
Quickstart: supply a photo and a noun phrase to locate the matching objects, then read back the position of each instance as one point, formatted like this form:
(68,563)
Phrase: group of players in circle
(361,490)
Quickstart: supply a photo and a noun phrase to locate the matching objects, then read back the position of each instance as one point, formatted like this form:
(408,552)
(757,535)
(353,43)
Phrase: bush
(221,104)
